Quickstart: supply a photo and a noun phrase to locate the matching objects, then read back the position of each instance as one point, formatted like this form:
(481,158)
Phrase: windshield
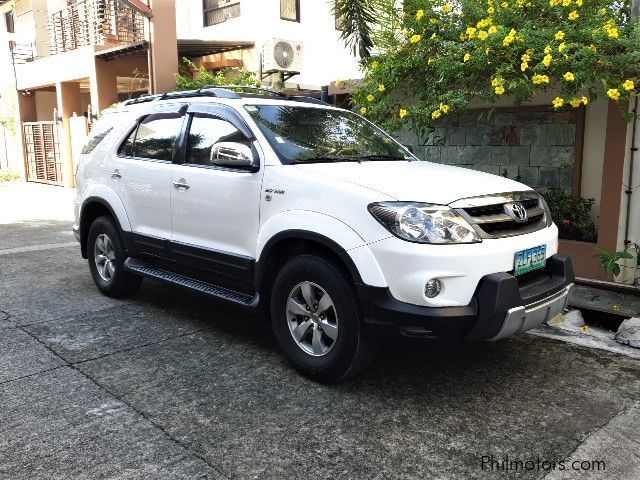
(311,135)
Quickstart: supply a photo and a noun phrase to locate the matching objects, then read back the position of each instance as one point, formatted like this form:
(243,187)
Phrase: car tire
(327,344)
(106,256)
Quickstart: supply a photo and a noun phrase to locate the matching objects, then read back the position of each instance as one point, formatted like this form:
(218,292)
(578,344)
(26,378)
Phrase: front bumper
(502,305)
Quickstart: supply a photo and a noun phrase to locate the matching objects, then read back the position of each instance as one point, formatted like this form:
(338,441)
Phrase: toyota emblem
(517,212)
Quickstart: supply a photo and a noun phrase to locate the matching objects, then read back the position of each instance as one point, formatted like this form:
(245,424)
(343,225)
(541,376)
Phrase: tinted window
(126,148)
(204,133)
(156,136)
(94,140)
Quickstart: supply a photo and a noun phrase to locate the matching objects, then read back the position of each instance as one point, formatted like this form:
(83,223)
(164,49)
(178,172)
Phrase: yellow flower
(566,3)
(370,98)
(482,35)
(525,57)
(446,8)
(612,32)
(433,21)
(573,16)
(593,48)
(562,46)
(540,79)
(363,111)
(575,102)
(602,11)
(415,38)
(558,102)
(430,61)
(579,3)
(524,66)
(504,5)
(585,100)
(547,49)
(628,85)
(419,14)
(492,29)
(491,10)
(509,38)
(555,3)
(569,77)
(381,88)
(613,94)
(471,32)
(403,113)
(375,64)
(444,108)
(496,82)
(547,59)
(559,35)
(499,90)
(466,57)
(436,114)
(433,35)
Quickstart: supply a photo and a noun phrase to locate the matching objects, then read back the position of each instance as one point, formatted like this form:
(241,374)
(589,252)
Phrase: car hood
(417,180)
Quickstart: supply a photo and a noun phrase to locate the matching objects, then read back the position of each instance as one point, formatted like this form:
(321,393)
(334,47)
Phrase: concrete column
(26,112)
(68,96)
(103,86)
(163,46)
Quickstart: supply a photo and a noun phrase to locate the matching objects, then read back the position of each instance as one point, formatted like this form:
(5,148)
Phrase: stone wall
(531,146)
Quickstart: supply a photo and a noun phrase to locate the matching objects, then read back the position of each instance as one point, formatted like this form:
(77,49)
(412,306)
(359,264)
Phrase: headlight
(423,222)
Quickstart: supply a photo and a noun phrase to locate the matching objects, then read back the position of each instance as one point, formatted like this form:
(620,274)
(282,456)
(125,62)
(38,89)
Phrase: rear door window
(156,136)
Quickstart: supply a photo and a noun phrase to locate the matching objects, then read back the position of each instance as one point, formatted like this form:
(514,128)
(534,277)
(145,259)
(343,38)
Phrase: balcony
(95,22)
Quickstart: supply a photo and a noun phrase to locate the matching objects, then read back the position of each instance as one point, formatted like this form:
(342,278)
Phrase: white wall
(325,56)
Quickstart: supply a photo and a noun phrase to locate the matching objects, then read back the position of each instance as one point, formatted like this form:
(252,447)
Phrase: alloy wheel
(104,256)
(312,319)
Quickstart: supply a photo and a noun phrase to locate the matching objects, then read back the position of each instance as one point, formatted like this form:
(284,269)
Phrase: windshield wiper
(382,158)
(327,159)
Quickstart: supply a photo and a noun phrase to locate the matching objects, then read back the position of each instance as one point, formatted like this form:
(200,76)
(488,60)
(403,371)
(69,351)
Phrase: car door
(214,209)
(141,176)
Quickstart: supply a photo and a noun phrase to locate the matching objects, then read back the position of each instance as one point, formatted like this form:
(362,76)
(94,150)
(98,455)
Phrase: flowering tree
(439,55)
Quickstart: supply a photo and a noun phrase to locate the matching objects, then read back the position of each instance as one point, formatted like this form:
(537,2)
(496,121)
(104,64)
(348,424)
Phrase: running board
(136,265)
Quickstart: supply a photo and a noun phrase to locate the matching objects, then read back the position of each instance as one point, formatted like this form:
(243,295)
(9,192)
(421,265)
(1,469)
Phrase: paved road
(173,385)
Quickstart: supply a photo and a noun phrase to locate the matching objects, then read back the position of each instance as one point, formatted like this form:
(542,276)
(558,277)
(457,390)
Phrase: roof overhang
(129,49)
(192,48)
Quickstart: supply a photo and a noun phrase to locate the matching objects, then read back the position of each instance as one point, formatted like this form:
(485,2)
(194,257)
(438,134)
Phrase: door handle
(182,183)
(116,174)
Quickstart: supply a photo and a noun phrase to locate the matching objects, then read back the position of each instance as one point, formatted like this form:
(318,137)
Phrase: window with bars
(218,11)
(290,10)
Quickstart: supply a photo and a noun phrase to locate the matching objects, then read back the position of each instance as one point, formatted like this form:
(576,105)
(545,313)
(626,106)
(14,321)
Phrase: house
(68,60)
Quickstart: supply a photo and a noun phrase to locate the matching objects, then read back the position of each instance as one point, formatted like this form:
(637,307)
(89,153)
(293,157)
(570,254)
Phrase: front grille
(491,216)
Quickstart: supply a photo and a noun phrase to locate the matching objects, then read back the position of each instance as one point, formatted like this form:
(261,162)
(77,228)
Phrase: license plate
(530,259)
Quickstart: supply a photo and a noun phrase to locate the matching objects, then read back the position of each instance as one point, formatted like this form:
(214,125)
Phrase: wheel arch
(92,208)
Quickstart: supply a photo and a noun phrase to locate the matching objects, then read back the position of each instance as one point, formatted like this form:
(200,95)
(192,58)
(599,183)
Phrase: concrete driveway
(170,384)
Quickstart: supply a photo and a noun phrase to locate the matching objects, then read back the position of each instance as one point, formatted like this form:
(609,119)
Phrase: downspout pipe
(635,12)
(629,189)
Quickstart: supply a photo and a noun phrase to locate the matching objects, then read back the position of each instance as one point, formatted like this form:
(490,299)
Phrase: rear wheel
(317,322)
(106,257)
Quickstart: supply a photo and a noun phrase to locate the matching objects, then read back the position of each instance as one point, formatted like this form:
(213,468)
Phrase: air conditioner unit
(281,56)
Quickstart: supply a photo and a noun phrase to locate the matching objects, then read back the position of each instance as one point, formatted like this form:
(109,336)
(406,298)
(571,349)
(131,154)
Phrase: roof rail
(222,91)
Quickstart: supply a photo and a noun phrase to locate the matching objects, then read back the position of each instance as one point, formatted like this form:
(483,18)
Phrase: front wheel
(316,320)
(106,257)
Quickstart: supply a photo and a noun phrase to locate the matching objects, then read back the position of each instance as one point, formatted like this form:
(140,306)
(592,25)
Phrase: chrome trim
(502,201)
(523,318)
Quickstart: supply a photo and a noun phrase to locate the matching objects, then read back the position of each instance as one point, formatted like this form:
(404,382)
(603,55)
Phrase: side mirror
(233,155)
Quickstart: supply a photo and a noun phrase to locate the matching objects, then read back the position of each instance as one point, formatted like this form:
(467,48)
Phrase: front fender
(328,230)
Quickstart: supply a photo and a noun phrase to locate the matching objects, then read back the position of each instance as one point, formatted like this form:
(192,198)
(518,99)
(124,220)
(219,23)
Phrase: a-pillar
(68,97)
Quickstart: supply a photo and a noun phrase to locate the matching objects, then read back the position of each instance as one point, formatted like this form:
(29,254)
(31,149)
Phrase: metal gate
(42,152)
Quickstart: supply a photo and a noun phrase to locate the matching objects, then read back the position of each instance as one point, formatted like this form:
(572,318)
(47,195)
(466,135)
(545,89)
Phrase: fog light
(432,288)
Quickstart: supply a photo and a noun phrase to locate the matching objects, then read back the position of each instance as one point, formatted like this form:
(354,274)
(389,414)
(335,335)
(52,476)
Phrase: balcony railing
(94,22)
(22,52)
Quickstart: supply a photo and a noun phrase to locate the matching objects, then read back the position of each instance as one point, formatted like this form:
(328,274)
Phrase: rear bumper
(502,305)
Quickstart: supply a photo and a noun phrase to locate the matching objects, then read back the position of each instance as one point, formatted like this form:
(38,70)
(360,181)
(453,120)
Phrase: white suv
(317,219)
